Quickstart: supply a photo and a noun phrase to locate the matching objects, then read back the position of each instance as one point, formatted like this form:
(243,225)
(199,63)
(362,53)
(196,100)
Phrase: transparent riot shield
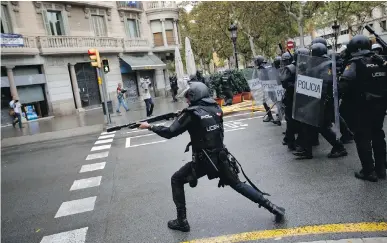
(252,77)
(311,89)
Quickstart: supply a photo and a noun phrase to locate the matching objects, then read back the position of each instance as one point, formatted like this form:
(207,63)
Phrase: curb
(47,136)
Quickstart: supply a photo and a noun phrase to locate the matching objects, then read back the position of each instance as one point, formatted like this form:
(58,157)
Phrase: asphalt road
(132,201)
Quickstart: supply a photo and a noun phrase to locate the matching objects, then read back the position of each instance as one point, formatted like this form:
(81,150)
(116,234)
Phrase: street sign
(290,44)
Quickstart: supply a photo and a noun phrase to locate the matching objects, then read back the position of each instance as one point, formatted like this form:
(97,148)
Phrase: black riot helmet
(359,43)
(198,92)
(259,60)
(300,51)
(286,59)
(320,40)
(377,48)
(318,50)
(277,62)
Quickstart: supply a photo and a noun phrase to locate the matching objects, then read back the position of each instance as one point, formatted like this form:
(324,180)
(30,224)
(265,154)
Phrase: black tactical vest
(372,77)
(207,133)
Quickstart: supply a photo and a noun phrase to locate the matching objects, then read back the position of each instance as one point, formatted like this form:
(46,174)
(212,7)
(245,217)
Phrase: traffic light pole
(103,88)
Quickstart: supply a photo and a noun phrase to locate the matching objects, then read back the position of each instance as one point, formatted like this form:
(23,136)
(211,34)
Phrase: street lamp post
(233,29)
(336,29)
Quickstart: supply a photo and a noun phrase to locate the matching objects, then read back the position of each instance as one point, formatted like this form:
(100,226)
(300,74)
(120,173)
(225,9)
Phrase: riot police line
(311,90)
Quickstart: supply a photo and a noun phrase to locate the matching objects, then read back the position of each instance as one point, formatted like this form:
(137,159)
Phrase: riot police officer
(377,49)
(320,40)
(277,62)
(288,78)
(338,150)
(259,62)
(203,119)
(199,76)
(364,79)
(227,87)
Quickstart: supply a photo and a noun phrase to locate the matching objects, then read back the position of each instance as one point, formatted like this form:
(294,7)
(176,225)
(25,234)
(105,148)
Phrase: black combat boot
(279,212)
(303,155)
(181,222)
(268,118)
(337,152)
(366,176)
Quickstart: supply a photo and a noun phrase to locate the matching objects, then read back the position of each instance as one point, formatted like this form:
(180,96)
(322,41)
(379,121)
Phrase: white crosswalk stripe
(106,133)
(92,167)
(98,155)
(86,183)
(107,136)
(104,141)
(76,206)
(73,236)
(102,147)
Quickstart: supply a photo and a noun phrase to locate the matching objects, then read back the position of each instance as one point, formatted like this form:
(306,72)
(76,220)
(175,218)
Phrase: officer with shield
(227,87)
(364,81)
(313,103)
(259,62)
(203,119)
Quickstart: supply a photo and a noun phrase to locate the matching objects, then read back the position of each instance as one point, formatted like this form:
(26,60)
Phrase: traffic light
(94,57)
(105,64)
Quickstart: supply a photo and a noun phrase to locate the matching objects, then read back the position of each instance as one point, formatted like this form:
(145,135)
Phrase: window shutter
(6,19)
(138,28)
(46,23)
(126,24)
(66,25)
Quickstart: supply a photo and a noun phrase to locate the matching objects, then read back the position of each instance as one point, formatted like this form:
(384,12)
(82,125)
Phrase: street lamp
(233,29)
(336,33)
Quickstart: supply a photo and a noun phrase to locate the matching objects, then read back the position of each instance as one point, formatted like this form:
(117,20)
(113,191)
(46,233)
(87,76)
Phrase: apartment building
(377,19)
(44,47)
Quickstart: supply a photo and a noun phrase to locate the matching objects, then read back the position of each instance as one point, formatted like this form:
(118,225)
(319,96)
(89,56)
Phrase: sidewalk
(93,121)
(354,240)
(88,122)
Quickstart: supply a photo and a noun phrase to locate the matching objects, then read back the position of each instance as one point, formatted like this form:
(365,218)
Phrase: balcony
(136,45)
(130,6)
(160,47)
(30,47)
(161,10)
(53,45)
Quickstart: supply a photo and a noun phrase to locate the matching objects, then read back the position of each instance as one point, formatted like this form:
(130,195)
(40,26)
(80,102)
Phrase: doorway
(88,85)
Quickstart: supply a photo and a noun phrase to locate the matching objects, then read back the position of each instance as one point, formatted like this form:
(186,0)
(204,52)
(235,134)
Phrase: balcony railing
(138,44)
(161,4)
(129,5)
(29,47)
(77,42)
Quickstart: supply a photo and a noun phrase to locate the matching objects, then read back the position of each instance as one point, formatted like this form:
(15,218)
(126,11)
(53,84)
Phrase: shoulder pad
(291,68)
(190,108)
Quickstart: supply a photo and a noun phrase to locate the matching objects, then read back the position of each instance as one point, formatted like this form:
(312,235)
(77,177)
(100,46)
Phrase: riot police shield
(264,84)
(311,89)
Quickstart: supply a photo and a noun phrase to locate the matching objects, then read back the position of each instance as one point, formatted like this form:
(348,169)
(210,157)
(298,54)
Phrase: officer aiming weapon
(377,37)
(133,125)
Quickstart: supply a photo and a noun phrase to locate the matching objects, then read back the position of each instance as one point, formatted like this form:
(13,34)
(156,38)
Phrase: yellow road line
(305,230)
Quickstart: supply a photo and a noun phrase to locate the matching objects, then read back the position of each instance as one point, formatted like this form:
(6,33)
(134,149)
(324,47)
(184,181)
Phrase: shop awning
(143,62)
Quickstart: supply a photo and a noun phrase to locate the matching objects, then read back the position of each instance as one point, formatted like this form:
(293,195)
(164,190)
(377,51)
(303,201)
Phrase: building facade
(44,48)
(377,19)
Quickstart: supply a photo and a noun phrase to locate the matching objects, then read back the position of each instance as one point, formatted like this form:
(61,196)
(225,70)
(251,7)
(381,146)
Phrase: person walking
(121,99)
(145,85)
(16,106)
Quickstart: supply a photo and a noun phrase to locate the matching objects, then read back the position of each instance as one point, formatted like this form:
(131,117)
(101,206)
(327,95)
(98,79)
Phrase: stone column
(74,82)
(160,81)
(175,31)
(163,31)
(11,79)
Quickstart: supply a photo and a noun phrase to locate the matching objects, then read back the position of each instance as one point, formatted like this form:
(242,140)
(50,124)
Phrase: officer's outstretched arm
(179,126)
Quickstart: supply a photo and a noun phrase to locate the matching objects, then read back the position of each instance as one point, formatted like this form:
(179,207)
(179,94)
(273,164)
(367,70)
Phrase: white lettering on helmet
(212,128)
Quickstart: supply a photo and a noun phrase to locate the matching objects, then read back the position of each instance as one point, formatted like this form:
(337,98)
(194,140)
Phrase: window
(344,32)
(157,33)
(99,26)
(55,23)
(132,29)
(169,32)
(6,27)
(383,25)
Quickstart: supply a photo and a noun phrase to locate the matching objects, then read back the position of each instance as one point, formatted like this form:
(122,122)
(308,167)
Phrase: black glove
(221,183)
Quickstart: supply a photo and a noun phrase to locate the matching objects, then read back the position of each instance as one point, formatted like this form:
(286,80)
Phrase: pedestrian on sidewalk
(16,106)
(145,85)
(121,99)
(174,86)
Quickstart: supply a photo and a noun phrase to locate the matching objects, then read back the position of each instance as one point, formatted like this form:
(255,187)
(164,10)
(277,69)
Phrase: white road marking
(230,125)
(107,136)
(143,144)
(73,236)
(104,141)
(106,133)
(137,130)
(127,144)
(102,147)
(98,155)
(76,206)
(145,135)
(86,183)
(236,129)
(92,167)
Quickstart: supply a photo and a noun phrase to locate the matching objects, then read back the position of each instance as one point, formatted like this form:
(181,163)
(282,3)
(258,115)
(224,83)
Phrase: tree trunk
(251,40)
(301,31)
